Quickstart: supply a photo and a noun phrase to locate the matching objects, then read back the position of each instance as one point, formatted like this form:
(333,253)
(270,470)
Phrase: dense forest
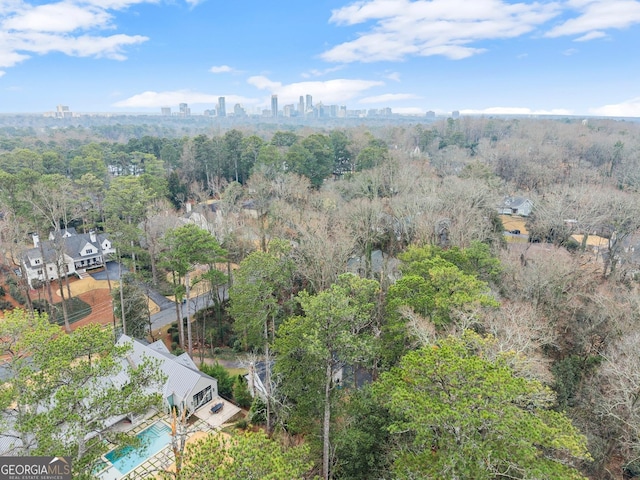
(406,335)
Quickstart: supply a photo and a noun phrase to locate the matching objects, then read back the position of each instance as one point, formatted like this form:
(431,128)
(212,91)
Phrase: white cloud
(389,97)
(72,27)
(150,99)
(221,69)
(328,91)
(590,36)
(2,73)
(628,108)
(515,111)
(319,73)
(597,15)
(57,17)
(9,58)
(437,27)
(395,76)
(570,51)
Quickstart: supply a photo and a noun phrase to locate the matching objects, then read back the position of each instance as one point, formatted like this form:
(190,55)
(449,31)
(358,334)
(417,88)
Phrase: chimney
(36,240)
(92,236)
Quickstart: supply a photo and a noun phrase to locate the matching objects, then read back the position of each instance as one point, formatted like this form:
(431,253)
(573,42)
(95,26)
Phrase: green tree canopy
(246,456)
(462,413)
(435,287)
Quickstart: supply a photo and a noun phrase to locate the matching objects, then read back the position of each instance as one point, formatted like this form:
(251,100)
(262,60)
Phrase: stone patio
(216,420)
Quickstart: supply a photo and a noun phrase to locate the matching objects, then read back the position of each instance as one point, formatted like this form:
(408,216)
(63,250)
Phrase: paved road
(167,313)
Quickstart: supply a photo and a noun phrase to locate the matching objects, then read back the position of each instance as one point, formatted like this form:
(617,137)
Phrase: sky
(563,57)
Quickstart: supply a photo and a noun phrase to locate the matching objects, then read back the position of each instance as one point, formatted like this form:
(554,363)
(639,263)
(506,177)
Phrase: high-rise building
(289,110)
(62,111)
(166,111)
(301,106)
(431,114)
(274,105)
(455,114)
(309,103)
(222,109)
(238,111)
(185,111)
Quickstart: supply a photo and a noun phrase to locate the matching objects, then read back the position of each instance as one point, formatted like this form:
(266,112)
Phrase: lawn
(76,309)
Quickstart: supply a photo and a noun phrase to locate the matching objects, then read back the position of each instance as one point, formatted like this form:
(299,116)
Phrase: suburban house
(516,206)
(69,252)
(186,387)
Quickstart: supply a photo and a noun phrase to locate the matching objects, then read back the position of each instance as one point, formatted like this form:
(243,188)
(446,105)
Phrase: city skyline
(568,57)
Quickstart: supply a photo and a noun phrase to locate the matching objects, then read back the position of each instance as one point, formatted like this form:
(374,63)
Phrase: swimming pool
(152,440)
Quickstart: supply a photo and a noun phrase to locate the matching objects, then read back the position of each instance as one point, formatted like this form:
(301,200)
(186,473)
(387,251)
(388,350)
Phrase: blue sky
(575,57)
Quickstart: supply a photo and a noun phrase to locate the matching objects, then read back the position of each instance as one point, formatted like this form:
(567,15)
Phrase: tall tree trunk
(65,315)
(267,374)
(326,422)
(122,315)
(66,282)
(25,285)
(47,282)
(189,336)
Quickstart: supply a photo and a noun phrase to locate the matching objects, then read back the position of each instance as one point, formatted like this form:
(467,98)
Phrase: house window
(40,272)
(51,269)
(37,261)
(89,250)
(202,397)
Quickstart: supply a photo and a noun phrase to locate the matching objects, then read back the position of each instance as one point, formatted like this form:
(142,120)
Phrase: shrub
(258,411)
(242,424)
(17,294)
(3,292)
(225,381)
(5,305)
(175,337)
(41,306)
(241,392)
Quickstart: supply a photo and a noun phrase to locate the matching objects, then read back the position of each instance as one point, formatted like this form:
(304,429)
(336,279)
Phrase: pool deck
(216,420)
(203,422)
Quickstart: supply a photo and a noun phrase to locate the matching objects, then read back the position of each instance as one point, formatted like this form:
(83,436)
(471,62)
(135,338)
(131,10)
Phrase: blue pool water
(153,439)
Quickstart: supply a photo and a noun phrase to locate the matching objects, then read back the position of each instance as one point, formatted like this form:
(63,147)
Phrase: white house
(76,253)
(516,206)
(186,386)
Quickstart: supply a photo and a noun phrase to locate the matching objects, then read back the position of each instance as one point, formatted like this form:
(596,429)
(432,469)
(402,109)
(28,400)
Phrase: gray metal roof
(181,378)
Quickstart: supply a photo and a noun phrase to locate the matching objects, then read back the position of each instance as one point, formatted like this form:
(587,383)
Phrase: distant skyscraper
(238,111)
(431,114)
(301,106)
(309,103)
(185,111)
(455,114)
(289,110)
(274,105)
(62,111)
(222,109)
(166,111)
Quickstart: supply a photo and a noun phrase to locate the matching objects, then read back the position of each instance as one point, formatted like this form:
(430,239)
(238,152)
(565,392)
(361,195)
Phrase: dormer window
(37,261)
(89,250)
